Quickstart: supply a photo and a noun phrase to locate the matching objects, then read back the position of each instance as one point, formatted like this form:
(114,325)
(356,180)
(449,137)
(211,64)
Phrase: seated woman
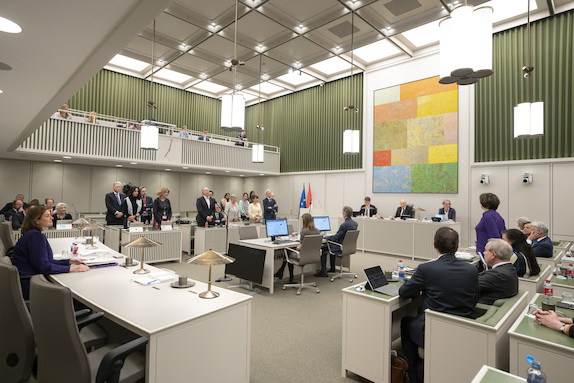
(447,211)
(33,254)
(60,213)
(255,211)
(523,259)
(93,118)
(308,229)
(132,206)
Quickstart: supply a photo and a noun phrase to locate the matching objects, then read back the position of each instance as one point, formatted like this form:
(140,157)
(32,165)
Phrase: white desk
(186,332)
(269,267)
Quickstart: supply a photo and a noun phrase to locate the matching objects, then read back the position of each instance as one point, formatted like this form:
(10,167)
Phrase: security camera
(484,179)
(527,70)
(527,178)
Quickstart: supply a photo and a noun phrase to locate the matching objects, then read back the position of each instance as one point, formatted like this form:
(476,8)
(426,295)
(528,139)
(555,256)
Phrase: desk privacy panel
(415,138)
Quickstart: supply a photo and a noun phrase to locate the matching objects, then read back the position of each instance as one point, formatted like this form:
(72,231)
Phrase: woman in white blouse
(255,211)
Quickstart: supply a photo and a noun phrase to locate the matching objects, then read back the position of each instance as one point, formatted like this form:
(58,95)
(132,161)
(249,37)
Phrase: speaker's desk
(554,351)
(371,321)
(406,238)
(269,247)
(186,332)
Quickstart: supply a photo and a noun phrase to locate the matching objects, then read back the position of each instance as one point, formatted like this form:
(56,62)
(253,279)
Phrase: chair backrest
(350,242)
(57,336)
(248,232)
(6,234)
(310,249)
(2,248)
(17,348)
(289,228)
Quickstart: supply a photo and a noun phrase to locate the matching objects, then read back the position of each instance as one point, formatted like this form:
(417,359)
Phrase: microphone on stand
(225,278)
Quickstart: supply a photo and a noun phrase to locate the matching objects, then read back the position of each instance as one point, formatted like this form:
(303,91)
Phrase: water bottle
(534,373)
(571,272)
(401,270)
(294,235)
(548,290)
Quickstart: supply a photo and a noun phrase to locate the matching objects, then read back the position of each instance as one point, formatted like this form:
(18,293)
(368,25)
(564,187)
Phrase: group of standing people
(134,205)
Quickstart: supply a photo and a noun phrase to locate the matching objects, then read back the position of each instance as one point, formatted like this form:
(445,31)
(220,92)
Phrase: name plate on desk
(136,227)
(63,224)
(166,226)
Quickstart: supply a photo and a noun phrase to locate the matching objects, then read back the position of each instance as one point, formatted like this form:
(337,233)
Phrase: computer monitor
(276,228)
(248,265)
(322,223)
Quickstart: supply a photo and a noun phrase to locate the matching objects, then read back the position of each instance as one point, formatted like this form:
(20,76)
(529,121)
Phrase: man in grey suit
(501,280)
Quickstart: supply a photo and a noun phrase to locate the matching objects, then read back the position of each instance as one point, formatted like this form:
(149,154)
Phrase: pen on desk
(157,288)
(191,291)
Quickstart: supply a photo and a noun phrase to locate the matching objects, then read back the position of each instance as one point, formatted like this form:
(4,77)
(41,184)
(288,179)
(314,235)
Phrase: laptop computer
(377,281)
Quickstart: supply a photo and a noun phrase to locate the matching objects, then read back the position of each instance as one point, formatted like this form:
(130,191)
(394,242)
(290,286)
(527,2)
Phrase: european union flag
(303,203)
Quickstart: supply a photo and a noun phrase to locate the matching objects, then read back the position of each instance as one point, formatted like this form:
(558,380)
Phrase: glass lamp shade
(529,119)
(232,112)
(351,141)
(149,137)
(257,153)
(466,45)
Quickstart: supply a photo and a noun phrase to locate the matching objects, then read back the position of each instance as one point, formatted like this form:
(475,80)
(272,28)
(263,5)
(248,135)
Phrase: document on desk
(155,277)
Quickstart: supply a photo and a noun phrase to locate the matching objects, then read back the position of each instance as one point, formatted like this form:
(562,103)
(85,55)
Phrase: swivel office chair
(248,232)
(348,247)
(58,341)
(310,253)
(6,235)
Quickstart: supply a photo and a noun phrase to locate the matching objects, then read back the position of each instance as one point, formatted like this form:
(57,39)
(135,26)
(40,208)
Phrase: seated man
(241,138)
(9,205)
(203,137)
(447,211)
(338,237)
(521,222)
(18,218)
(447,284)
(539,240)
(367,209)
(500,280)
(404,210)
(16,208)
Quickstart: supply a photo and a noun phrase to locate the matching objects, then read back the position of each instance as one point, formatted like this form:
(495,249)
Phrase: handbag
(399,369)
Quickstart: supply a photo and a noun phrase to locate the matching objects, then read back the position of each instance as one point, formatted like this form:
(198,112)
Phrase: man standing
(114,215)
(501,280)
(447,285)
(269,206)
(205,208)
(338,237)
(147,203)
(539,240)
(404,210)
(367,209)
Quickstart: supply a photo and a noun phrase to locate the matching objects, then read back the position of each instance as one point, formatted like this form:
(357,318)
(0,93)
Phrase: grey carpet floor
(297,338)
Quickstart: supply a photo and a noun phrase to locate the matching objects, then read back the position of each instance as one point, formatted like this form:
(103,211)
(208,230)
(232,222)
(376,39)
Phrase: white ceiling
(65,42)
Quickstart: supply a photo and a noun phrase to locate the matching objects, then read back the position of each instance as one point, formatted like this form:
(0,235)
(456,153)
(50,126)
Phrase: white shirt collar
(499,264)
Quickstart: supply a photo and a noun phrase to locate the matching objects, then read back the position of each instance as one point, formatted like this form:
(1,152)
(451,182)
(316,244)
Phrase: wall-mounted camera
(527,178)
(527,70)
(484,179)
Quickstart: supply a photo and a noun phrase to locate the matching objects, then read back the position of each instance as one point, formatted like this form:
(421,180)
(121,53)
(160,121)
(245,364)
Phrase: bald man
(205,208)
(404,210)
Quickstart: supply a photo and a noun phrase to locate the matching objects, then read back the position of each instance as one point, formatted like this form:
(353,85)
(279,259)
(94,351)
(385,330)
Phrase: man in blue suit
(114,215)
(447,285)
(448,211)
(338,237)
(539,241)
(269,206)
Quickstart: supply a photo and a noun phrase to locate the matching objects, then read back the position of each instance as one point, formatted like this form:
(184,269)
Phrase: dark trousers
(410,348)
(333,259)
(282,268)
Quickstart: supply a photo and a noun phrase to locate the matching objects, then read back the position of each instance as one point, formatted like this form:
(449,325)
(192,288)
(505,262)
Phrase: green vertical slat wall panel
(552,52)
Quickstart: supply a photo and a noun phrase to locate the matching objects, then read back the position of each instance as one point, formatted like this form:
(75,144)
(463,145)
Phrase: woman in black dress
(161,207)
(132,206)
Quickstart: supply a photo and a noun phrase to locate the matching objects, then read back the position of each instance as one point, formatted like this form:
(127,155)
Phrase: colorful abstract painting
(415,138)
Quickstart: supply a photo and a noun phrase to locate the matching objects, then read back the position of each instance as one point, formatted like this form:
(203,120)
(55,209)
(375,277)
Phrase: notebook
(377,281)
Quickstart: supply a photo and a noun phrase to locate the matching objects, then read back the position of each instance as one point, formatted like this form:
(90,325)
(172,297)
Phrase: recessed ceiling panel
(143,46)
(295,50)
(303,10)
(256,27)
(173,27)
(210,10)
(220,47)
(195,63)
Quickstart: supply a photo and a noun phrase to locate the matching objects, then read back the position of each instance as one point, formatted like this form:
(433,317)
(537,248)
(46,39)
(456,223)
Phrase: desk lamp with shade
(142,242)
(210,257)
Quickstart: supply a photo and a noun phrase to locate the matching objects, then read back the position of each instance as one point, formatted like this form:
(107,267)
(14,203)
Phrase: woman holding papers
(60,213)
(132,206)
(33,254)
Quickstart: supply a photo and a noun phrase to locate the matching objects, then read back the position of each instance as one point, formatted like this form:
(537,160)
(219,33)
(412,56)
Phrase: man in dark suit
(404,210)
(338,237)
(501,280)
(114,199)
(539,240)
(269,206)
(447,210)
(9,205)
(18,218)
(447,285)
(16,207)
(205,208)
(147,203)
(367,209)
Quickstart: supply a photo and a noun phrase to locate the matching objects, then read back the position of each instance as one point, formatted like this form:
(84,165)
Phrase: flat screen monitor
(276,227)
(248,263)
(322,223)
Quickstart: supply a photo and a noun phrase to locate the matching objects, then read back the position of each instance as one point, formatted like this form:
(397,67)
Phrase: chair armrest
(82,313)
(88,319)
(113,361)
(333,243)
(286,254)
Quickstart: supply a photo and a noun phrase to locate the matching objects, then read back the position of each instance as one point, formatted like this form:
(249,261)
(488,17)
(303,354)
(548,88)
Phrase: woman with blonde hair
(93,118)
(161,207)
(60,213)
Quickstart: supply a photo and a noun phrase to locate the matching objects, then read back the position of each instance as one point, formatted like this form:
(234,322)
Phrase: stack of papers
(92,253)
(156,277)
(463,256)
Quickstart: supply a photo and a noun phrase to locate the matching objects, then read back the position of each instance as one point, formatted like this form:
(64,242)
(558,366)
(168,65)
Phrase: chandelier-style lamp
(466,45)
(351,141)
(528,116)
(257,149)
(351,137)
(257,153)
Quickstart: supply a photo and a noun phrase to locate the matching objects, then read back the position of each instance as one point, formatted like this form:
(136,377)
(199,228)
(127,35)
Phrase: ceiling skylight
(210,87)
(296,78)
(332,66)
(424,35)
(267,88)
(376,51)
(173,76)
(129,63)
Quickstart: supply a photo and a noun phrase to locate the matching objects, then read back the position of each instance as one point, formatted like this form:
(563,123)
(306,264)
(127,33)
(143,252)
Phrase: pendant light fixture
(149,135)
(233,105)
(257,149)
(528,116)
(466,45)
(351,137)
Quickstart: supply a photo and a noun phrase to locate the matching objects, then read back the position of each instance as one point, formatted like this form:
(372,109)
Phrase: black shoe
(292,282)
(278,275)
(321,274)
(332,270)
